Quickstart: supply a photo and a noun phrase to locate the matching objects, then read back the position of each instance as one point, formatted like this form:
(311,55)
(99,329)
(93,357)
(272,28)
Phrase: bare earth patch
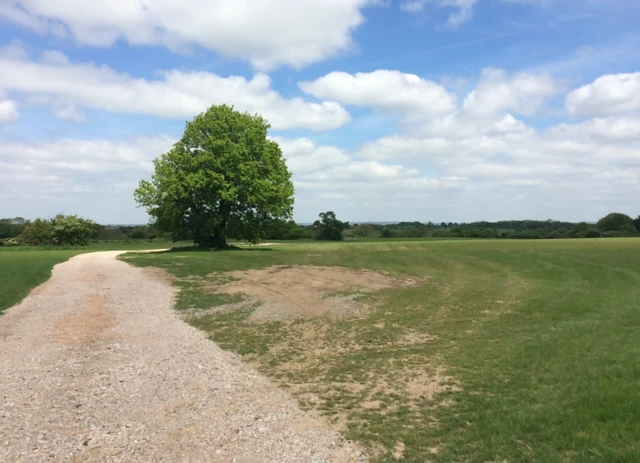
(398,450)
(288,292)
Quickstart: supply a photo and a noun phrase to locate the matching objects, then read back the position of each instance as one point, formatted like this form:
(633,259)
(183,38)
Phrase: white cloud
(463,13)
(175,94)
(571,171)
(328,168)
(612,129)
(509,124)
(87,157)
(54,57)
(310,162)
(499,91)
(94,178)
(557,157)
(69,113)
(8,110)
(304,157)
(266,33)
(389,91)
(611,94)
(462,125)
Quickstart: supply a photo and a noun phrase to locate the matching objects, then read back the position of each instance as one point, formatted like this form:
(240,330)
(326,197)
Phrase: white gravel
(96,366)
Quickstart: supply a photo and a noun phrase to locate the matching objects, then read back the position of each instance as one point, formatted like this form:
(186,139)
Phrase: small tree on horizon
(223,178)
(329,227)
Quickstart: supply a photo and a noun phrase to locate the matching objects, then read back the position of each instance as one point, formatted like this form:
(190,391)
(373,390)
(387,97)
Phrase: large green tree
(224,177)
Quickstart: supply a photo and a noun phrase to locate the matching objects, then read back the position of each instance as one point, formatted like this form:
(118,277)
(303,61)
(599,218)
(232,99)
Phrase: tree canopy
(615,222)
(224,177)
(12,227)
(580,230)
(329,227)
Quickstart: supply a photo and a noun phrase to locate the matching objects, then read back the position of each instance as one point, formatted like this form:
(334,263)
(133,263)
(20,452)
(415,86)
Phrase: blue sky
(442,110)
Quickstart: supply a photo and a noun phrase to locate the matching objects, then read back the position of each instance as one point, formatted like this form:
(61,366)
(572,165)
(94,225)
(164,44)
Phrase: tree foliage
(285,230)
(13,227)
(580,230)
(61,230)
(615,222)
(329,227)
(364,230)
(223,178)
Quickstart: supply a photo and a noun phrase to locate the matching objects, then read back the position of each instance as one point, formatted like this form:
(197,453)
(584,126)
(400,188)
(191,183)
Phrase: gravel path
(96,366)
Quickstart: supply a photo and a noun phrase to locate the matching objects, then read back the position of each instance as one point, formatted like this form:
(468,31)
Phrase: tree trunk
(220,235)
(219,238)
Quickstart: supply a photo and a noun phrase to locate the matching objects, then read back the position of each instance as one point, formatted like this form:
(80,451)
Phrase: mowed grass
(24,268)
(517,351)
(20,272)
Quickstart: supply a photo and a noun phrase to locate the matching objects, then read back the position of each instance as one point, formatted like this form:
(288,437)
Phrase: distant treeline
(613,225)
(70,230)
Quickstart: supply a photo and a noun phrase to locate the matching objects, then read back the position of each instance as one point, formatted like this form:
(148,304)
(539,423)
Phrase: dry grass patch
(290,292)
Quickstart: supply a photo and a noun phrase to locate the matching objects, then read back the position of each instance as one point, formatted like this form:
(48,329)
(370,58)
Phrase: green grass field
(24,268)
(516,351)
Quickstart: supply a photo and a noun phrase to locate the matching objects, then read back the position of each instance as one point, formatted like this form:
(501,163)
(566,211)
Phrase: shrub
(593,234)
(364,230)
(628,230)
(443,233)
(71,230)
(62,230)
(8,242)
(110,234)
(38,233)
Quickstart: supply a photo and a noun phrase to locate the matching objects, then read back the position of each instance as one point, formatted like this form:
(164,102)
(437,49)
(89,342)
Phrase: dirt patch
(371,404)
(305,291)
(398,451)
(413,338)
(158,273)
(86,326)
(425,385)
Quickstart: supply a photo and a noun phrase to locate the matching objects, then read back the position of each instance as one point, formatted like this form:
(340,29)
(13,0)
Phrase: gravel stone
(97,366)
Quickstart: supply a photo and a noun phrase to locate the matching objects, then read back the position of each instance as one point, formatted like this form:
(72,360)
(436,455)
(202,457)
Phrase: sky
(386,110)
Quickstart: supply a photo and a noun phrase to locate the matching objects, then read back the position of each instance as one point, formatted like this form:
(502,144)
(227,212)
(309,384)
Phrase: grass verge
(521,351)
(24,268)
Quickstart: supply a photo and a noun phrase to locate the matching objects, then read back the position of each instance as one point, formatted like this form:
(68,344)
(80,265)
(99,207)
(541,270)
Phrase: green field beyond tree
(519,351)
